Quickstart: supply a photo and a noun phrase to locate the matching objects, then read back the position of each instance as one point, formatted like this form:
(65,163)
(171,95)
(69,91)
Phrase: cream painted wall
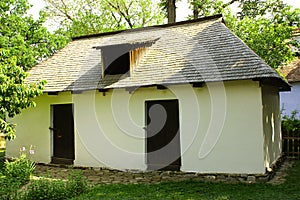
(271,124)
(33,128)
(234,117)
(220,127)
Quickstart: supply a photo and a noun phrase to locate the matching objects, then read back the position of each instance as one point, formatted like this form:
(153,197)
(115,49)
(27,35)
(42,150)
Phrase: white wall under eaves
(220,127)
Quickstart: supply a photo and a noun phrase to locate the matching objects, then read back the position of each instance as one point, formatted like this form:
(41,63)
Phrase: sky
(182,10)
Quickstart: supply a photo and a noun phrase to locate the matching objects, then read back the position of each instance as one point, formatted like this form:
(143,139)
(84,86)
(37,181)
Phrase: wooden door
(163,135)
(63,134)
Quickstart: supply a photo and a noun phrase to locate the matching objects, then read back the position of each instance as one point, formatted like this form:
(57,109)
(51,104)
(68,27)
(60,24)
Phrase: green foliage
(254,8)
(45,189)
(16,184)
(55,189)
(76,184)
(15,174)
(267,39)
(83,17)
(206,7)
(291,123)
(20,169)
(268,30)
(9,188)
(23,37)
(23,43)
(15,94)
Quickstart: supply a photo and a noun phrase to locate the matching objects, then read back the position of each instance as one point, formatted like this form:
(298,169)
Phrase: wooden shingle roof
(291,71)
(203,50)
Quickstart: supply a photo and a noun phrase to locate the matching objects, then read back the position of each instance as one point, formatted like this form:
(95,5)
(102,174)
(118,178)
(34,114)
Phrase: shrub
(45,189)
(9,188)
(76,184)
(14,174)
(291,123)
(55,189)
(20,169)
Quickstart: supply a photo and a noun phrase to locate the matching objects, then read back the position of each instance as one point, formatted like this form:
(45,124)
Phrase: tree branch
(65,11)
(118,9)
(57,7)
(229,3)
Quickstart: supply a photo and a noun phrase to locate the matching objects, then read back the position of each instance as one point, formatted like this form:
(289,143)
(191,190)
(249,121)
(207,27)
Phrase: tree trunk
(195,12)
(171,11)
(196,7)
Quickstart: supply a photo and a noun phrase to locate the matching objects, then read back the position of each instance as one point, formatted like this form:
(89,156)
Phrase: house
(188,96)
(290,100)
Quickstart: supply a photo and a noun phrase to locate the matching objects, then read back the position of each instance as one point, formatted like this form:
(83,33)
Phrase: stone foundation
(105,175)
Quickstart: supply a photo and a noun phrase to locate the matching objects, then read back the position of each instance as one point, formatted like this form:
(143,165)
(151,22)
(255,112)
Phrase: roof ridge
(148,27)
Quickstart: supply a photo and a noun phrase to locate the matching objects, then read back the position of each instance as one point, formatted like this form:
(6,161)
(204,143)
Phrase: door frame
(53,159)
(170,167)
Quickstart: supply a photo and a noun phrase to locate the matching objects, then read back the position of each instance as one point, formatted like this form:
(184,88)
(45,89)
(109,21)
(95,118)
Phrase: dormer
(120,59)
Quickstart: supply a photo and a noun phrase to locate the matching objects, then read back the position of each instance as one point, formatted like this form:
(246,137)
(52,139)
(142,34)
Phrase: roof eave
(281,84)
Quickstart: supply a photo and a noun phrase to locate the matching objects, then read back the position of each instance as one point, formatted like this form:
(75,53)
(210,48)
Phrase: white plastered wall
(220,127)
(33,128)
(271,124)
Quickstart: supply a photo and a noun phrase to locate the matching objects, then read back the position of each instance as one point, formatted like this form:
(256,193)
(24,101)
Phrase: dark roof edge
(278,82)
(155,26)
(274,81)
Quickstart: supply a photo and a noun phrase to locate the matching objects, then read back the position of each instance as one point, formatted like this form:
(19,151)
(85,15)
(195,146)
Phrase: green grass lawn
(200,190)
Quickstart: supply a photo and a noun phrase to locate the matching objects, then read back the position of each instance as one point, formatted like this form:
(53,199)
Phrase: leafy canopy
(23,43)
(83,17)
(268,30)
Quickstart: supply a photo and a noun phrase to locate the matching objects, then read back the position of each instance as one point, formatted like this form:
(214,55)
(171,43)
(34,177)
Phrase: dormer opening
(120,65)
(120,59)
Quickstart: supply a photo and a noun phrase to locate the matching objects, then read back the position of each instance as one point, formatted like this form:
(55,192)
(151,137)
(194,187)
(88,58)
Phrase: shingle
(292,71)
(196,51)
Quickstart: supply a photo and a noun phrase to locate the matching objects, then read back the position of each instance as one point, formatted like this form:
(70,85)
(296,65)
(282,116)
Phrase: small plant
(76,184)
(9,188)
(19,169)
(291,123)
(45,189)
(55,189)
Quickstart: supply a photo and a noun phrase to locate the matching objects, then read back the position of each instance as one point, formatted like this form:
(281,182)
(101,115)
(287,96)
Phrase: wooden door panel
(63,134)
(163,135)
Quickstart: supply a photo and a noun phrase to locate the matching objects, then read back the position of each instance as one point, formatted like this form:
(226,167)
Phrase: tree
(171,11)
(266,26)
(203,8)
(269,38)
(249,8)
(169,8)
(23,43)
(82,17)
